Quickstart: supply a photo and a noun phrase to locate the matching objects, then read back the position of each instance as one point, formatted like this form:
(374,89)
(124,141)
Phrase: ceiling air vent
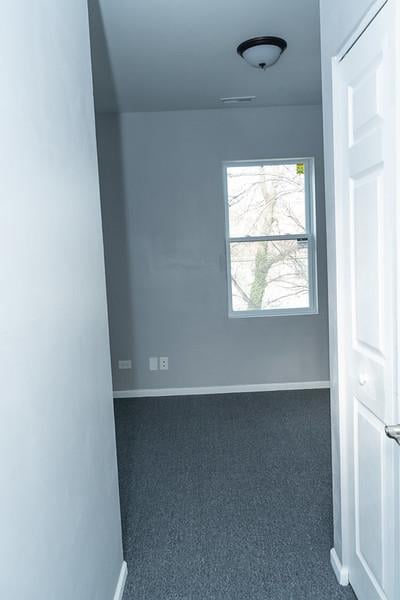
(237,99)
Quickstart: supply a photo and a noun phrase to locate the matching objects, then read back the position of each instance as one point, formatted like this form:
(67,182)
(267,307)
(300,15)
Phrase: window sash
(308,236)
(303,237)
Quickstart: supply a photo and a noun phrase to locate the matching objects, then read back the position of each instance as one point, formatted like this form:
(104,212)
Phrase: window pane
(268,275)
(266,199)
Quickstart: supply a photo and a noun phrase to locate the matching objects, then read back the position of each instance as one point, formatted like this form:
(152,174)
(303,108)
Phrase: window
(270,237)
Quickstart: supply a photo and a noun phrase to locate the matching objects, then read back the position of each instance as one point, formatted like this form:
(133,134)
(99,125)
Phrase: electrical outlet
(163,363)
(124,364)
(153,363)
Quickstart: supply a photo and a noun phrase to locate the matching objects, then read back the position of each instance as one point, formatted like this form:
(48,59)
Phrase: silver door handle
(393,432)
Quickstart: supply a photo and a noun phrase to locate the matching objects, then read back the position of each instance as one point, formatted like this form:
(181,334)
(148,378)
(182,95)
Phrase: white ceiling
(151,55)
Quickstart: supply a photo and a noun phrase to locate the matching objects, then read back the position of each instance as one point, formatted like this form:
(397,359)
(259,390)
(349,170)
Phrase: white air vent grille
(237,99)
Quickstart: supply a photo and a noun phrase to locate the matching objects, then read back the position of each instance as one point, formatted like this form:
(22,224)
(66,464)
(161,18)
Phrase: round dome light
(262,52)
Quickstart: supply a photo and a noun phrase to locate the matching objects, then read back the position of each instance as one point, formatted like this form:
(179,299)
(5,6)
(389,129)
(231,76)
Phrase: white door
(366,168)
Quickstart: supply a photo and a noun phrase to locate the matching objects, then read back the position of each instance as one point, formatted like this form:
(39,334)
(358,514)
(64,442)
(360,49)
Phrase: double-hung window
(270,240)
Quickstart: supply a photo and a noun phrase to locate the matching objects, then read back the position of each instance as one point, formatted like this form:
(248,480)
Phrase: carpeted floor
(227,497)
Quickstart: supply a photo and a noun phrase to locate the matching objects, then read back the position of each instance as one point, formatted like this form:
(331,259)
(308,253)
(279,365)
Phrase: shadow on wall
(103,80)
(115,218)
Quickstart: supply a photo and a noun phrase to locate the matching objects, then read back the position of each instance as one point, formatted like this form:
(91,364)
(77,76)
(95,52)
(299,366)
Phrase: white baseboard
(341,572)
(119,590)
(222,389)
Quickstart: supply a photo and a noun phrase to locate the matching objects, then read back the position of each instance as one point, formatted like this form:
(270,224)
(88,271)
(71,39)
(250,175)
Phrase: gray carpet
(227,497)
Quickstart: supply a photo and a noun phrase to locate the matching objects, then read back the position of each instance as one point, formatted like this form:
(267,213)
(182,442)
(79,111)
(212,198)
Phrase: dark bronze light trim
(262,41)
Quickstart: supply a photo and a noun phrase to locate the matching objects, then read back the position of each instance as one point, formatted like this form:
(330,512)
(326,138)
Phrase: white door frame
(338,381)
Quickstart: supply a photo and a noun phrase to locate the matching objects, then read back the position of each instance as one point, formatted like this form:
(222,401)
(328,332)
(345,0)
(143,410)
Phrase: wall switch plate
(163,363)
(124,364)
(153,363)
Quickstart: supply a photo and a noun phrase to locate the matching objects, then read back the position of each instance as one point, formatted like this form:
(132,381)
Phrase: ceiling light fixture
(262,52)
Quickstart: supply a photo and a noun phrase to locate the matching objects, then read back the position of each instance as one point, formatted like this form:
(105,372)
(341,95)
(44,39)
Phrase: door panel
(367,248)
(364,95)
(368,491)
(365,102)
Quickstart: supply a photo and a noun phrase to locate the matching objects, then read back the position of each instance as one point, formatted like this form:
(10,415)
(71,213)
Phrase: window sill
(290,312)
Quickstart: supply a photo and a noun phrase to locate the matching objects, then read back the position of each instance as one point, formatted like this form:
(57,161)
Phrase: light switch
(153,363)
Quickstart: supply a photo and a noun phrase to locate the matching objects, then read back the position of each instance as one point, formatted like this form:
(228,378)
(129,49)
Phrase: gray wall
(163,215)
(338,20)
(59,510)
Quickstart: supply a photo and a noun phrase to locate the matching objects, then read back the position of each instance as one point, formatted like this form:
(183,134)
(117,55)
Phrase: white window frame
(309,234)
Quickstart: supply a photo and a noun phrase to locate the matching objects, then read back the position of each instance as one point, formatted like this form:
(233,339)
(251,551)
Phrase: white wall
(59,510)
(163,209)
(338,20)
